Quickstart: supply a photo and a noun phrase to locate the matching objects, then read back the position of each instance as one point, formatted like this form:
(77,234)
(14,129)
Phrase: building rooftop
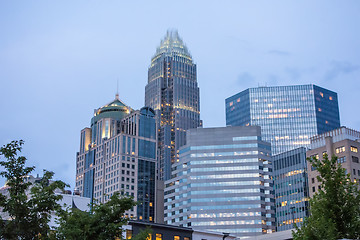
(172,44)
(337,135)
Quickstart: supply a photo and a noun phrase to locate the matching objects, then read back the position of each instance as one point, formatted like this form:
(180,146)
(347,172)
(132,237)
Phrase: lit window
(330,98)
(150,219)
(128,234)
(321,94)
(176,238)
(354,149)
(150,204)
(158,236)
(340,149)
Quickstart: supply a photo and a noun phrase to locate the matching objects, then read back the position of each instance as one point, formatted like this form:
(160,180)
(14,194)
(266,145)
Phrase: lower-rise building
(342,142)
(291,188)
(222,182)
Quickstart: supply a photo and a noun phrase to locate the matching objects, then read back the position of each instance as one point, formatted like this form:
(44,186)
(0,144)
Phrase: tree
(335,208)
(28,217)
(104,221)
(143,234)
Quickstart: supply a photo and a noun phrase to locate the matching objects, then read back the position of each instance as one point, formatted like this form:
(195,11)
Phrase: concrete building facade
(222,182)
(118,154)
(342,142)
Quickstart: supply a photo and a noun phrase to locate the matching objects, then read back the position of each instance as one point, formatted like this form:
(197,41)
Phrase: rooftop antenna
(117,89)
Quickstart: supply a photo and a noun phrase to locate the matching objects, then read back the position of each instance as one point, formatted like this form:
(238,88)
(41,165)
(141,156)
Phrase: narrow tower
(172,91)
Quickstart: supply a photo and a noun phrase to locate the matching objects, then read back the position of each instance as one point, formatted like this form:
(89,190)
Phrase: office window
(158,236)
(353,149)
(313,189)
(128,234)
(176,238)
(355,159)
(340,149)
(354,172)
(186,238)
(341,160)
(312,180)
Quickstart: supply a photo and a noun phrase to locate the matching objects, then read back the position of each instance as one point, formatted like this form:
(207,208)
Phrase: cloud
(340,68)
(279,53)
(245,78)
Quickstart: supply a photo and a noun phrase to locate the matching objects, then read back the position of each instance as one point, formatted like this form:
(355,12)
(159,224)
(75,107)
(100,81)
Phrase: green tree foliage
(335,209)
(143,235)
(105,220)
(28,217)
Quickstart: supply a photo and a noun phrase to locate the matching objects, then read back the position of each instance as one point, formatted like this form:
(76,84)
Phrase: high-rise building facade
(291,188)
(172,91)
(222,182)
(118,154)
(343,143)
(288,115)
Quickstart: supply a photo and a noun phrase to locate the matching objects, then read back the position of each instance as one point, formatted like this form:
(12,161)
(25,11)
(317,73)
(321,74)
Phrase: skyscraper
(172,91)
(118,154)
(222,182)
(288,115)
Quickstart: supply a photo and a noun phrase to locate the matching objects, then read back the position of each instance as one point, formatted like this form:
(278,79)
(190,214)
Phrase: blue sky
(59,60)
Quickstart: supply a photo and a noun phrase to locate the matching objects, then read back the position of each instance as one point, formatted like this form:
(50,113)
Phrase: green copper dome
(115,109)
(172,45)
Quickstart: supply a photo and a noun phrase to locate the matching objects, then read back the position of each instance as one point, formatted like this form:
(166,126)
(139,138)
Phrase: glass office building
(172,91)
(288,115)
(222,182)
(291,188)
(118,154)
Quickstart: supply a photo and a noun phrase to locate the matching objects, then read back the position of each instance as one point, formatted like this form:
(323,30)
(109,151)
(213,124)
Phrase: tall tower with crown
(172,91)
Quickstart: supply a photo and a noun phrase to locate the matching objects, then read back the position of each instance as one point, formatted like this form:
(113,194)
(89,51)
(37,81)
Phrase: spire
(117,90)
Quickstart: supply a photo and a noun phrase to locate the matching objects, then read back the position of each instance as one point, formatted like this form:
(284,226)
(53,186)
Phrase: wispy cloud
(245,78)
(339,68)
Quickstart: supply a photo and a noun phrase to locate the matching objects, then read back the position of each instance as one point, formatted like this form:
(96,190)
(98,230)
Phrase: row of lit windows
(225,215)
(291,173)
(248,145)
(227,191)
(224,168)
(289,192)
(219,154)
(227,199)
(246,206)
(285,203)
(340,149)
(220,223)
(244,175)
(222,161)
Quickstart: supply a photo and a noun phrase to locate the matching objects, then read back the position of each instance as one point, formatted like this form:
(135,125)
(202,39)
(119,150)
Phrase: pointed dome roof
(172,44)
(116,109)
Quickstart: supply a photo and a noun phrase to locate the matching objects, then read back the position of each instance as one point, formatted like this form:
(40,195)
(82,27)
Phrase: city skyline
(51,64)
